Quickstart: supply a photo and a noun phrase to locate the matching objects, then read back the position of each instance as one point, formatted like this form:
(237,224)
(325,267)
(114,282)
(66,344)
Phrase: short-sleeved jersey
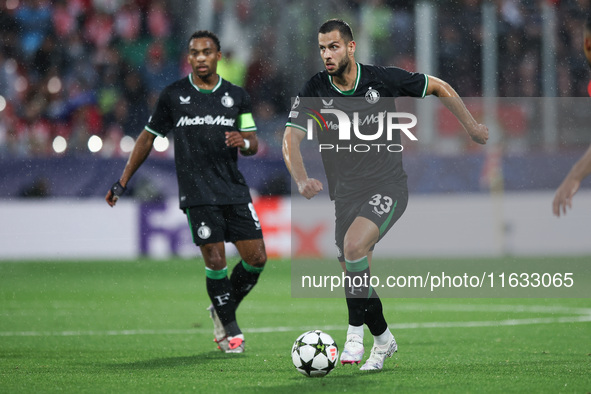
(207,169)
(351,173)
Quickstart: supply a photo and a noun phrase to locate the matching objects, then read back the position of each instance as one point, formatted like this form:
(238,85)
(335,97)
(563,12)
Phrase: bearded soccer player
(211,120)
(359,182)
(582,168)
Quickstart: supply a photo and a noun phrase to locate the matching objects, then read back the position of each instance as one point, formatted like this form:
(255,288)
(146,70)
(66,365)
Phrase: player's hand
(234,139)
(564,196)
(310,187)
(479,134)
(116,191)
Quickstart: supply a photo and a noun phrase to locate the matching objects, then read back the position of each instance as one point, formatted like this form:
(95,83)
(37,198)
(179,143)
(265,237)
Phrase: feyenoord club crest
(227,101)
(372,96)
(203,232)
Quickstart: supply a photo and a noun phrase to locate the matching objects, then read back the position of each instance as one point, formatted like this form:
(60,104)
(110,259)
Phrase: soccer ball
(314,353)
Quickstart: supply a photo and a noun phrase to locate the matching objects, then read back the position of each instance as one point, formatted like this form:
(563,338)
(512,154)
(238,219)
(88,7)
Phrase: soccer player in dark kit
(369,187)
(211,121)
(582,168)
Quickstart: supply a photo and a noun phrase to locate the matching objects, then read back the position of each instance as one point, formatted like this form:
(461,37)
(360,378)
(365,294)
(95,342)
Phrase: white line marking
(493,308)
(583,315)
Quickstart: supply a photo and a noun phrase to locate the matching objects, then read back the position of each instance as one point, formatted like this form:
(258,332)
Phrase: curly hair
(206,34)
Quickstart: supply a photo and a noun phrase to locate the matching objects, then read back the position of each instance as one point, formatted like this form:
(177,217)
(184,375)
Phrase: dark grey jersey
(350,169)
(206,168)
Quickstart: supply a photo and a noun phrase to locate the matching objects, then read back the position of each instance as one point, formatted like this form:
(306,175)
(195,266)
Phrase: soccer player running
(582,168)
(212,121)
(360,182)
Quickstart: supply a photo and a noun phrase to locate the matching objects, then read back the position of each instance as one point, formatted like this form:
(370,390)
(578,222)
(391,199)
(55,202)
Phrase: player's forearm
(452,101)
(582,167)
(252,146)
(139,154)
(456,106)
(293,157)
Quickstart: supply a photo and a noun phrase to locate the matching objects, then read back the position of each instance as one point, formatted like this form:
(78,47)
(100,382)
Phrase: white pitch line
(399,326)
(493,308)
(100,333)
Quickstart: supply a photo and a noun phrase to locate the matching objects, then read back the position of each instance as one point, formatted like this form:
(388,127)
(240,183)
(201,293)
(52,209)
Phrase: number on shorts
(253,212)
(384,207)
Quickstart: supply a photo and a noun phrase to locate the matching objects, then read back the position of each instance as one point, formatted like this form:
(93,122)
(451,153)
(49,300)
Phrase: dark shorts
(383,205)
(218,223)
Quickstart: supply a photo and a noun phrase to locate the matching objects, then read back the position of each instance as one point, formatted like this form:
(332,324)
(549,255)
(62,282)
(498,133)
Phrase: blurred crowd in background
(77,68)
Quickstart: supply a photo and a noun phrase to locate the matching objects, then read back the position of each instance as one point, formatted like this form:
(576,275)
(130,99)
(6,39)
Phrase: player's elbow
(285,143)
(291,139)
(440,88)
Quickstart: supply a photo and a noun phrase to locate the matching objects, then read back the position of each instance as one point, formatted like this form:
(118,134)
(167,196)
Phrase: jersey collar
(348,92)
(216,87)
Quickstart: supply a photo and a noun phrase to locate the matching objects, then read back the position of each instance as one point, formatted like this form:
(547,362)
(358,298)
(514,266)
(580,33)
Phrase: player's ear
(351,47)
(219,56)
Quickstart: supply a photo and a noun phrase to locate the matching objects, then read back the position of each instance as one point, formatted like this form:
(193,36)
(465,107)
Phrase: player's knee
(259,260)
(354,249)
(213,259)
(216,263)
(253,254)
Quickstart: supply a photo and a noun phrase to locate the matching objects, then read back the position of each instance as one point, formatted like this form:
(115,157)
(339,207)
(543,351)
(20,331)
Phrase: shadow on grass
(172,362)
(353,381)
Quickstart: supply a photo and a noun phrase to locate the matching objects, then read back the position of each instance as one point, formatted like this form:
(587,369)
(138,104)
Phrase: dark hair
(340,25)
(206,34)
(588,23)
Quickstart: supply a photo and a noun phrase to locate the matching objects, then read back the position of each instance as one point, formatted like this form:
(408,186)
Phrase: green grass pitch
(122,327)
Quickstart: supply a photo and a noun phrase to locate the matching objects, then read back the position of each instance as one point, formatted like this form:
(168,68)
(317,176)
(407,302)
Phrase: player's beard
(341,67)
(203,75)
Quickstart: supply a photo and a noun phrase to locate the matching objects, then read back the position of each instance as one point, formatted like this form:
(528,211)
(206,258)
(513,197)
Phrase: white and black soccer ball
(314,353)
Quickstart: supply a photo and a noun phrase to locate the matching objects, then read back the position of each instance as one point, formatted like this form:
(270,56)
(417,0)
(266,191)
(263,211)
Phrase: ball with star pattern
(314,353)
